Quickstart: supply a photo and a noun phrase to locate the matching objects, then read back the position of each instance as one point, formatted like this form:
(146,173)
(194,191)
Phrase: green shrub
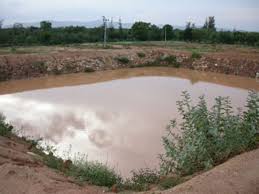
(89,70)
(196,55)
(5,129)
(209,137)
(93,172)
(142,179)
(39,66)
(170,59)
(141,55)
(123,60)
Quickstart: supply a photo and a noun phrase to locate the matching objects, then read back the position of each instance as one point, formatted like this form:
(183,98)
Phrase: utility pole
(165,36)
(105,31)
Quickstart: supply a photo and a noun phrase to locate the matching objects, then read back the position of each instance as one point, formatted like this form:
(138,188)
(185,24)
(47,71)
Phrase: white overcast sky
(239,14)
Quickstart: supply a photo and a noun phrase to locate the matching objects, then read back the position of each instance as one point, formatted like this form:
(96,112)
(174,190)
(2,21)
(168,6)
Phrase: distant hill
(89,24)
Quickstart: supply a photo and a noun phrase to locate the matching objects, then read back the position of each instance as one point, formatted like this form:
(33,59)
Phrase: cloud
(159,12)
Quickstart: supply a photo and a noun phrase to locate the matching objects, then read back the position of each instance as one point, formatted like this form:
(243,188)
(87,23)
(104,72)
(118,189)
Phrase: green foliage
(209,137)
(93,172)
(142,179)
(123,59)
(195,55)
(210,23)
(140,30)
(39,66)
(169,31)
(141,55)
(169,60)
(5,129)
(46,35)
(169,182)
(89,70)
(187,34)
(45,25)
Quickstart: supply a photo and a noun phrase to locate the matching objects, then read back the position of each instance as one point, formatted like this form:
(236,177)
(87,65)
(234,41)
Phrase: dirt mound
(238,175)
(23,172)
(19,66)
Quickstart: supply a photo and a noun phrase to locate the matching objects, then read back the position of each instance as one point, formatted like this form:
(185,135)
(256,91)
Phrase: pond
(115,117)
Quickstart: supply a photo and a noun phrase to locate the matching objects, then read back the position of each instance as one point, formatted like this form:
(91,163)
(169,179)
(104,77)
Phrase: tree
(168,30)
(121,35)
(1,23)
(210,23)
(45,25)
(187,34)
(18,25)
(140,30)
(154,33)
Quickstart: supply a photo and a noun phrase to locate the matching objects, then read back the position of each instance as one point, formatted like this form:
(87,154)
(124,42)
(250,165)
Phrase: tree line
(140,31)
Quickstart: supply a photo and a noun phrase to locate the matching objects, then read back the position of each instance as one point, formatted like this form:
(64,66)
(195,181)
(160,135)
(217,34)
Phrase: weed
(141,54)
(89,70)
(142,179)
(39,66)
(169,182)
(13,49)
(195,55)
(5,128)
(123,60)
(93,172)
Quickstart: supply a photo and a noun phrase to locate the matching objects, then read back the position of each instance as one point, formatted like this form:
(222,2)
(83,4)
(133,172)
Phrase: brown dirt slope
(22,173)
(238,175)
(18,66)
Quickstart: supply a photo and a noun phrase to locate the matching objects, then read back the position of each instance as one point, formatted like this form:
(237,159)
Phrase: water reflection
(120,122)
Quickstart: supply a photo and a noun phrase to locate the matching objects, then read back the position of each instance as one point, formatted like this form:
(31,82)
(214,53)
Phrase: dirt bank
(238,175)
(21,171)
(73,60)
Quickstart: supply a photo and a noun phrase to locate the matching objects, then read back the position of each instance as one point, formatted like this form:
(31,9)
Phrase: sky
(229,14)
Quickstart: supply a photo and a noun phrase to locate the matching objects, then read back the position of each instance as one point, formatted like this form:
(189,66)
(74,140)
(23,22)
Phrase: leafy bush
(209,137)
(141,55)
(142,179)
(196,55)
(168,60)
(39,66)
(123,60)
(89,70)
(5,129)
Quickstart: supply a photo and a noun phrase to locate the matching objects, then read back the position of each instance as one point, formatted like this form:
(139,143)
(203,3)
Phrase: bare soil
(21,171)
(62,60)
(238,175)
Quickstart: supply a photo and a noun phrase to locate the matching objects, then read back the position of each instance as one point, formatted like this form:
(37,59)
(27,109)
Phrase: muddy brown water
(115,117)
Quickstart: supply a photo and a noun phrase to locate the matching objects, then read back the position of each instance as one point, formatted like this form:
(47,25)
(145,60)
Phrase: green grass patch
(196,55)
(169,182)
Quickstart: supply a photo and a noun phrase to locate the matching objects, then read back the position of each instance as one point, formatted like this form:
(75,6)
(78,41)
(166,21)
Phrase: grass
(196,55)
(169,182)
